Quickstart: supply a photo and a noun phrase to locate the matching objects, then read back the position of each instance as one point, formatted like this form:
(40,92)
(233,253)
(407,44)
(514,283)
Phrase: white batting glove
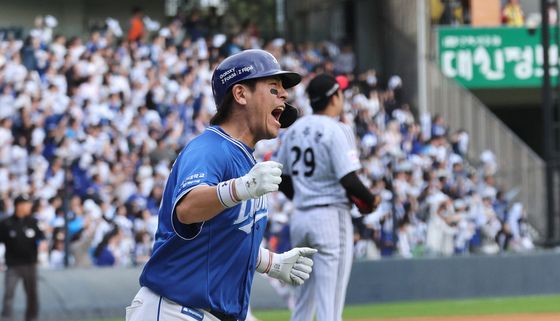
(292,267)
(263,178)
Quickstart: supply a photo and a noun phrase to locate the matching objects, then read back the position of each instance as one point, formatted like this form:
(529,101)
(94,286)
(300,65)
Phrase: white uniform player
(320,159)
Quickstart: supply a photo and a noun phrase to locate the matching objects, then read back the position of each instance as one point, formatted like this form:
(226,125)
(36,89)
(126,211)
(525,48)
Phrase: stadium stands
(90,129)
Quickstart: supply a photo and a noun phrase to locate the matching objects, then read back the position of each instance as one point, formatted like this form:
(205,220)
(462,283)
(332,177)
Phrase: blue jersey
(209,265)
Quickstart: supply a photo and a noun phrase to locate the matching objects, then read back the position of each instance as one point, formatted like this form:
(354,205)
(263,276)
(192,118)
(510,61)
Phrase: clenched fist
(292,267)
(263,178)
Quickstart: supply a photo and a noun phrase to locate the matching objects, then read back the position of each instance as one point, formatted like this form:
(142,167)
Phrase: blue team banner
(503,57)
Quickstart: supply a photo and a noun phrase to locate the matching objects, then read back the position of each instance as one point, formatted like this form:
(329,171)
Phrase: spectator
(21,235)
(452,12)
(439,128)
(490,225)
(441,228)
(105,253)
(519,229)
(512,14)
(345,62)
(28,52)
(460,142)
(57,252)
(136,31)
(81,242)
(404,247)
(465,228)
(143,247)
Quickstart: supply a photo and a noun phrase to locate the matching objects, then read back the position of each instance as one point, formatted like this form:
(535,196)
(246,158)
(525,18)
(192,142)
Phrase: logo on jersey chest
(250,212)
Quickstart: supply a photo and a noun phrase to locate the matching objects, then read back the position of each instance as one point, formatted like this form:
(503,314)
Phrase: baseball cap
(21,199)
(324,86)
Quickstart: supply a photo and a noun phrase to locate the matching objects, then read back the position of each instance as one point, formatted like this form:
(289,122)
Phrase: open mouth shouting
(277,112)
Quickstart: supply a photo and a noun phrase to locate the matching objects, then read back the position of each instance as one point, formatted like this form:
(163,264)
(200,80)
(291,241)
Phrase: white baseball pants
(148,306)
(329,230)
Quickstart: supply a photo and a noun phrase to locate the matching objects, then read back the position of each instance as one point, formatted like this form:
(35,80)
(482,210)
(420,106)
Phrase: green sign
(496,57)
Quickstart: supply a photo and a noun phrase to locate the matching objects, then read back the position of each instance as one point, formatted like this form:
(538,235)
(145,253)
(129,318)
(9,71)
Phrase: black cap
(22,198)
(321,88)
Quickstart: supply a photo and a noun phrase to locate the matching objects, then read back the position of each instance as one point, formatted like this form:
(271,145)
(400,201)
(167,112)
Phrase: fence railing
(519,167)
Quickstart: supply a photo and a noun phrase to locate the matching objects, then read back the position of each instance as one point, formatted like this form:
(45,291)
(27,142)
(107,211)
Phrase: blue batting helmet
(253,64)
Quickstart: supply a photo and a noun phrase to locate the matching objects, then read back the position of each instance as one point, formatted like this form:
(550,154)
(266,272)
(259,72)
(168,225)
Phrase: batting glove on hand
(292,267)
(263,178)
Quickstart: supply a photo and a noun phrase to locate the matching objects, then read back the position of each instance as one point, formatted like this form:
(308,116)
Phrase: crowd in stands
(90,129)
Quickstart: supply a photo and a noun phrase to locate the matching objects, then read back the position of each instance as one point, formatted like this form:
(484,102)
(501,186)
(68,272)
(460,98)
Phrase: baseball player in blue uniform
(319,173)
(214,208)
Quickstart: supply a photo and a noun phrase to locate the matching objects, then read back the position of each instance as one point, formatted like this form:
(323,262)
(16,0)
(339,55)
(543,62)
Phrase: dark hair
(224,109)
(321,104)
(105,241)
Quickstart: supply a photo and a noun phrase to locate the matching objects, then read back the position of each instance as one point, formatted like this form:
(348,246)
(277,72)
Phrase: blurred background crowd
(90,127)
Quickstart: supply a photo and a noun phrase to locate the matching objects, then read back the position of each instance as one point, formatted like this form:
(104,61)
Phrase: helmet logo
(231,73)
(227,75)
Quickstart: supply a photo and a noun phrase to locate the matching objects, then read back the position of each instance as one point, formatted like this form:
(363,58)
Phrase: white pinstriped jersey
(317,151)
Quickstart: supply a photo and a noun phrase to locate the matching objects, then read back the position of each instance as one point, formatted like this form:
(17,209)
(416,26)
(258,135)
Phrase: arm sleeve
(287,187)
(358,193)
(199,167)
(343,153)
(196,167)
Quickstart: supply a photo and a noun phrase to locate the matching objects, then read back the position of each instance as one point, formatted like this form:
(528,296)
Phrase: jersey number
(308,161)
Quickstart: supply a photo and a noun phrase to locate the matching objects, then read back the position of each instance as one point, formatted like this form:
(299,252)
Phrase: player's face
(267,105)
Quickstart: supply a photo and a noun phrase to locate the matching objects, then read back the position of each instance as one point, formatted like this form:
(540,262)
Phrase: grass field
(495,306)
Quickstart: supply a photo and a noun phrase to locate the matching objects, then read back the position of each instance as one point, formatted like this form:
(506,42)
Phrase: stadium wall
(86,294)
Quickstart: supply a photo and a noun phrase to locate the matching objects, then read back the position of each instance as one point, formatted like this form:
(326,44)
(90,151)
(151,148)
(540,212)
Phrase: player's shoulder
(344,127)
(205,148)
(204,137)
(299,123)
(207,144)
(337,128)
(310,121)
(332,125)
(326,125)
(210,138)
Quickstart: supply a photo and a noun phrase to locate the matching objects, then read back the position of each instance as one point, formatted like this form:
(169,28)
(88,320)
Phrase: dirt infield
(516,317)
